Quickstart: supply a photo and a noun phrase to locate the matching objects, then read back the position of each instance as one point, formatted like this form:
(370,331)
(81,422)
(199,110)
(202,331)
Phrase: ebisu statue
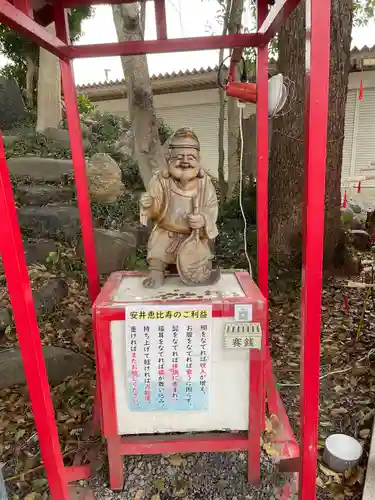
(182,204)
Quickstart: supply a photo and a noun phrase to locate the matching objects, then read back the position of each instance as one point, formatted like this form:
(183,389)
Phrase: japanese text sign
(167,356)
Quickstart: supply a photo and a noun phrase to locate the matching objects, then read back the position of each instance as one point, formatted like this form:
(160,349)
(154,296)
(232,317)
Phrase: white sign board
(168,357)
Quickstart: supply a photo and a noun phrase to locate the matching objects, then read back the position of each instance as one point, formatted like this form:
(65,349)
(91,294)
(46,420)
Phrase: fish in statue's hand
(182,204)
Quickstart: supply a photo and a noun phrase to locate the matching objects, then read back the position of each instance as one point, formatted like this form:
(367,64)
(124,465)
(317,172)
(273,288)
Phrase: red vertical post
(160,19)
(316,115)
(21,298)
(262,160)
(256,368)
(79,163)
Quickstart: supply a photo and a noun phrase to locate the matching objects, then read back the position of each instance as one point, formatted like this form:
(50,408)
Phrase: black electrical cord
(244,72)
(243,76)
(219,73)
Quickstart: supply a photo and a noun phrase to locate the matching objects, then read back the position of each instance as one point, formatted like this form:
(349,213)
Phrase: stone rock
(124,144)
(357,223)
(88,121)
(51,221)
(113,248)
(104,179)
(86,131)
(5,321)
(356,208)
(140,232)
(39,169)
(126,152)
(39,251)
(50,295)
(12,108)
(360,239)
(10,139)
(43,194)
(61,137)
(60,363)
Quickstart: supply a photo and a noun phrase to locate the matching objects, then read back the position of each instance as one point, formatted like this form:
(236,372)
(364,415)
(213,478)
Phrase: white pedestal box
(181,356)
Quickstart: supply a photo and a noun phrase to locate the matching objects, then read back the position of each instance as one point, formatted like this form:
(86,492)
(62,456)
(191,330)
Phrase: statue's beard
(184,175)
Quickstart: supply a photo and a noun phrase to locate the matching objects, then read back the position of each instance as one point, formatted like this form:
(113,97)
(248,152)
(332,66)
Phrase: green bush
(85,106)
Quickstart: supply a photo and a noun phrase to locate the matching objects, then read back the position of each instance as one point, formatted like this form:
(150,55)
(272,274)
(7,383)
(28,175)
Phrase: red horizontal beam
(198,443)
(26,26)
(277,15)
(141,47)
(77,472)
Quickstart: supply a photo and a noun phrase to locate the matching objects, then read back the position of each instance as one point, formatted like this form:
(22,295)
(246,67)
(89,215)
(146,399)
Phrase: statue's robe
(170,209)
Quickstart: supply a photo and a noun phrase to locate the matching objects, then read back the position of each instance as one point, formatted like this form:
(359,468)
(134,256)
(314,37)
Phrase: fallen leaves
(365,433)
(70,327)
(328,472)
(346,400)
(176,460)
(347,374)
(139,495)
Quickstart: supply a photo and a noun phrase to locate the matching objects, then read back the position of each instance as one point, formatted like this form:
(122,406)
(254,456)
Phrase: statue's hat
(184,138)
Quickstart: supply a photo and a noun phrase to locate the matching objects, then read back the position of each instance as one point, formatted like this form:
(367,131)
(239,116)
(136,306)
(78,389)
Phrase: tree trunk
(30,75)
(234,25)
(49,112)
(148,151)
(287,152)
(222,103)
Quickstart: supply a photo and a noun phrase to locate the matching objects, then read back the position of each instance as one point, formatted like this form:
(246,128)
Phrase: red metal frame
(316,116)
(20,17)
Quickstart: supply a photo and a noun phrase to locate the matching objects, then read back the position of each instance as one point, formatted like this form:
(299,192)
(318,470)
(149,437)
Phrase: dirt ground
(346,400)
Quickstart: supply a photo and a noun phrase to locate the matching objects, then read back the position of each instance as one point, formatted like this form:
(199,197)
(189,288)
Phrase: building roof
(196,79)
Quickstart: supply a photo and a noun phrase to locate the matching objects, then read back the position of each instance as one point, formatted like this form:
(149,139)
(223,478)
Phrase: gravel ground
(209,476)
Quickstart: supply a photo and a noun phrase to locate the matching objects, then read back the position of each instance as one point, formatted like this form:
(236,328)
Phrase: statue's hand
(196,221)
(146,200)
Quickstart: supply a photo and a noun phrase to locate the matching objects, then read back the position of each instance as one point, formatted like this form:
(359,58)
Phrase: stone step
(43,194)
(113,249)
(54,221)
(39,169)
(38,251)
(60,363)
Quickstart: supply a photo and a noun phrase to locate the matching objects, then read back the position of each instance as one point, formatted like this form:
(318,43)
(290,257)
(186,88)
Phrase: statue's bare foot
(154,280)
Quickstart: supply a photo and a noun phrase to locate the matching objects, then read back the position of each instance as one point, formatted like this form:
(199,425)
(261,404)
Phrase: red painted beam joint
(276,17)
(23,24)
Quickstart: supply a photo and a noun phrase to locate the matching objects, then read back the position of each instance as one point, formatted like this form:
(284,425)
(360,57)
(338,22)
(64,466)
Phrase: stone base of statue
(178,359)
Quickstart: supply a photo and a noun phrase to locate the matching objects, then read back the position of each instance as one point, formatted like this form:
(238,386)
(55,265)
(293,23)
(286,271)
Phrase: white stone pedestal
(172,370)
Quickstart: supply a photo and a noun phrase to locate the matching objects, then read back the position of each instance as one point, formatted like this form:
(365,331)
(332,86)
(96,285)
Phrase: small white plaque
(243,312)
(243,336)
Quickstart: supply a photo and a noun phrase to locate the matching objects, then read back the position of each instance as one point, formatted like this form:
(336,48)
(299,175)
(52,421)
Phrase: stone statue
(182,204)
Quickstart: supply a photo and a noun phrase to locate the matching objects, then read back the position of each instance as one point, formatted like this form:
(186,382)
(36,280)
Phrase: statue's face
(184,164)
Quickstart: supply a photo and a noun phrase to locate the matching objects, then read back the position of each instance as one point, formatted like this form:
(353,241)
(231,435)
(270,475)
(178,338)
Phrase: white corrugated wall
(351,101)
(204,119)
(365,134)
